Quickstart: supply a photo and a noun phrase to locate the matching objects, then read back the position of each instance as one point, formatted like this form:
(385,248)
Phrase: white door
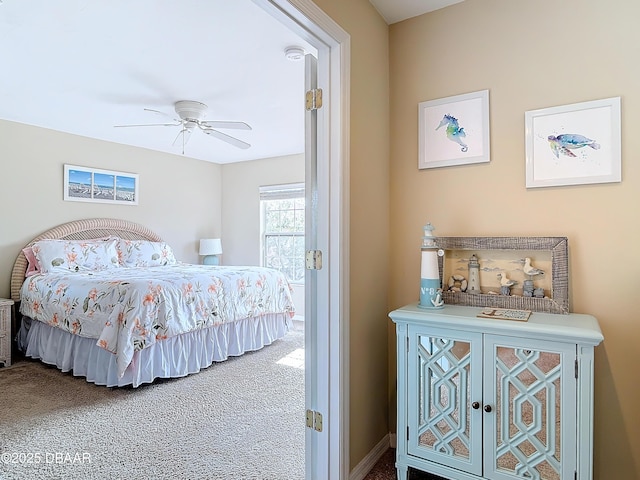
(326,289)
(316,317)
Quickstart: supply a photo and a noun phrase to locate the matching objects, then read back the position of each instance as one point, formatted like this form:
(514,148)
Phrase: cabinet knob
(475,405)
(487,408)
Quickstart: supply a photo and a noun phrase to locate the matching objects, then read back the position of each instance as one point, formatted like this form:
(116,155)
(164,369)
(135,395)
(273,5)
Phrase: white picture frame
(573,144)
(84,184)
(440,124)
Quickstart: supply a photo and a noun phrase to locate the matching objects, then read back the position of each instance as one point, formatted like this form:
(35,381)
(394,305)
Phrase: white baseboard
(368,462)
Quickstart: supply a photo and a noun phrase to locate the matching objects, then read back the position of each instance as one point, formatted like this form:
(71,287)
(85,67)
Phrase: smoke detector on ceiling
(294,53)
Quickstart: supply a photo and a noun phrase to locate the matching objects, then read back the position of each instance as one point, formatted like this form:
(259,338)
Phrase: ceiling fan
(191,116)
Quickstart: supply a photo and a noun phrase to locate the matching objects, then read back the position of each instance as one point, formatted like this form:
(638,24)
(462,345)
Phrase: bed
(111,303)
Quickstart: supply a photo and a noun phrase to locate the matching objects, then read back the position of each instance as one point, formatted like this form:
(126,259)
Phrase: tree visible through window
(283,229)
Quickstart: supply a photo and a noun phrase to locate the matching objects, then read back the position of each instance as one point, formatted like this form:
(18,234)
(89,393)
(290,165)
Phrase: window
(282,217)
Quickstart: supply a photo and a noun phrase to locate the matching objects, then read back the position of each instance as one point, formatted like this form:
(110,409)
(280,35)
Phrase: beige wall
(530,55)
(185,191)
(241,203)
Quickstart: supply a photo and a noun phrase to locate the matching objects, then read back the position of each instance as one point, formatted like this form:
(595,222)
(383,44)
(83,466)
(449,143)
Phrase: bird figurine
(505,281)
(530,269)
(566,142)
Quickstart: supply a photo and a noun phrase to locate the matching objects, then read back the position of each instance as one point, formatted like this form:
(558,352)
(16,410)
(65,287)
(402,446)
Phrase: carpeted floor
(239,419)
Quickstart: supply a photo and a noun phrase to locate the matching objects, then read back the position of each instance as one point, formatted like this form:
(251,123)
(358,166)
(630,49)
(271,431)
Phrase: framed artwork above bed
(84,184)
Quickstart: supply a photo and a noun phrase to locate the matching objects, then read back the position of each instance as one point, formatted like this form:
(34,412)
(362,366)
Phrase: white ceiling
(397,10)
(83,66)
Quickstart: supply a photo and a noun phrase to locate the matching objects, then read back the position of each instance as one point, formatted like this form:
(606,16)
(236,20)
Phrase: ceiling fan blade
(231,125)
(152,125)
(226,138)
(157,111)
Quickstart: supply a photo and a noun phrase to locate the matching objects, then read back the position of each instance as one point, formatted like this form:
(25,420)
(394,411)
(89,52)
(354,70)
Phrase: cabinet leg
(403,472)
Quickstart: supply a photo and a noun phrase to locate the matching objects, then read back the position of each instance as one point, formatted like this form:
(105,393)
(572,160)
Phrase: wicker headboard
(81,230)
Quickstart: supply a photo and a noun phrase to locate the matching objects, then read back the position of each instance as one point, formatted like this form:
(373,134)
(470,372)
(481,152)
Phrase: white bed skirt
(174,357)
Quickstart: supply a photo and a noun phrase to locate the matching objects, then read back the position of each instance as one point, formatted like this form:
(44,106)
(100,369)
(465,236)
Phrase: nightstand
(6,306)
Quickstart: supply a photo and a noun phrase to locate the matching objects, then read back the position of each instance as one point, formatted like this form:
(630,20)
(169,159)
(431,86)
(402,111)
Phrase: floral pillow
(33,266)
(144,253)
(76,255)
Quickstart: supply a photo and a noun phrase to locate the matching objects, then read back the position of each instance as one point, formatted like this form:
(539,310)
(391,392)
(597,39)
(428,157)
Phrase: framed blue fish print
(454,130)
(573,144)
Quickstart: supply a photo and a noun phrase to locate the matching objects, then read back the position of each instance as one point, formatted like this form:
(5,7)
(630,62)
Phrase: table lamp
(210,248)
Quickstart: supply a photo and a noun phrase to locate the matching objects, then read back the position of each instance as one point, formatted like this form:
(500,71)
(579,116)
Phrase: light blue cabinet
(495,399)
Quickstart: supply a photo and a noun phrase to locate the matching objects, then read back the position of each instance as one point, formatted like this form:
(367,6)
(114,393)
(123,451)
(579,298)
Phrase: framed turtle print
(573,144)
(454,130)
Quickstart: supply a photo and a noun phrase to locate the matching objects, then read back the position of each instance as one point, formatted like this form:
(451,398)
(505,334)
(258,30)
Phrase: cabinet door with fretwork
(530,391)
(444,395)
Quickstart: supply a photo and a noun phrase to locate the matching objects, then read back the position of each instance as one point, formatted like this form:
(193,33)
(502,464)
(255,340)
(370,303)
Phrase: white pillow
(144,253)
(76,255)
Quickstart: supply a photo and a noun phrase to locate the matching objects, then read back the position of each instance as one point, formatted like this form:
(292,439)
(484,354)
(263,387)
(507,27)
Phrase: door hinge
(407,433)
(576,368)
(314,420)
(313,99)
(313,260)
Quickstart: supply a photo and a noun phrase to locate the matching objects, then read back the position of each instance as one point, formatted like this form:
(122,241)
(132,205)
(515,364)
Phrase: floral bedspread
(128,309)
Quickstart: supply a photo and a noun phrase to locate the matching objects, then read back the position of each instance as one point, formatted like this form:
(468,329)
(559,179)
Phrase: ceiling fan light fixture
(294,53)
(190,109)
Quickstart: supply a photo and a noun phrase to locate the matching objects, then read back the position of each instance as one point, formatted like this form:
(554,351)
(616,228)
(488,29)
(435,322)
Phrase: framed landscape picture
(83,184)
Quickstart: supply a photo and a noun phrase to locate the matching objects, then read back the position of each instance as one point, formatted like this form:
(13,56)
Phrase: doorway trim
(331,455)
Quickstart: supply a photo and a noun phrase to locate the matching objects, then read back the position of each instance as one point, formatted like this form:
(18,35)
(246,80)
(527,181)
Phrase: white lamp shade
(210,246)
